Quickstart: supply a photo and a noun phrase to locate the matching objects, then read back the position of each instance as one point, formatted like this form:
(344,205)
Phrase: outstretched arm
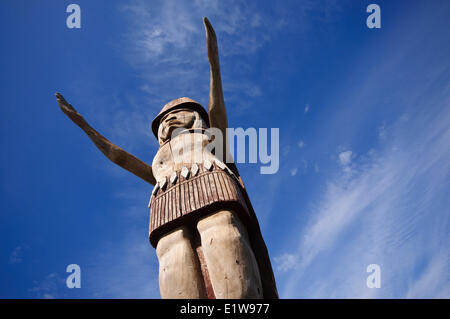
(111,151)
(216,106)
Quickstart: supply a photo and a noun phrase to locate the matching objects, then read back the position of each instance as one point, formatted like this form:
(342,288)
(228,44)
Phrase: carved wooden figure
(202,223)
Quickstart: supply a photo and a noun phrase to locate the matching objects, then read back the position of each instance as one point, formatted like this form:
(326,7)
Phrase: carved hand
(69,110)
(110,150)
(211,44)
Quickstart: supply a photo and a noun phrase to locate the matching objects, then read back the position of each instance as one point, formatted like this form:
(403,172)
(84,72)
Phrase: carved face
(179,118)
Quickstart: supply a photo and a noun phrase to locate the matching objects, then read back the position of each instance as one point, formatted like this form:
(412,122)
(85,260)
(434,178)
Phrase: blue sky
(364,139)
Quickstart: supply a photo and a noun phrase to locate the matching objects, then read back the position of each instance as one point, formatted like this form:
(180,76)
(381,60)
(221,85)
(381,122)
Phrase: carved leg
(232,266)
(179,271)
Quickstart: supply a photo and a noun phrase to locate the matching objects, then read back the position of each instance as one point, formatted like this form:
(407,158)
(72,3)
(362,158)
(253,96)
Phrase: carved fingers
(63,104)
(211,43)
(69,110)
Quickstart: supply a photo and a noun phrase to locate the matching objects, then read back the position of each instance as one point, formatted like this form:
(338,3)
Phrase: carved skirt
(192,193)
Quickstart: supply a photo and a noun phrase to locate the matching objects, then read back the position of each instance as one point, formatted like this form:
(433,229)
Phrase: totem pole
(202,223)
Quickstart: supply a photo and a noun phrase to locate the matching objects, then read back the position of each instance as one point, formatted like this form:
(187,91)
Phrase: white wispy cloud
(434,280)
(390,207)
(286,262)
(51,287)
(345,157)
(388,212)
(166,44)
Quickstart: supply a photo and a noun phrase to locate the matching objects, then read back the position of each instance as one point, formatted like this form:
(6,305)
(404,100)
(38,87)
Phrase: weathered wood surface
(194,196)
(230,258)
(221,266)
(180,275)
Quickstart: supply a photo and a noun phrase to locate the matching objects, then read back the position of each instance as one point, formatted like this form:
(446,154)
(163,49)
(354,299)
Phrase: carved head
(182,113)
(178,119)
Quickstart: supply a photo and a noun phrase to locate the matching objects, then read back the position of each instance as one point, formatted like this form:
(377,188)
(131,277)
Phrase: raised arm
(111,151)
(216,106)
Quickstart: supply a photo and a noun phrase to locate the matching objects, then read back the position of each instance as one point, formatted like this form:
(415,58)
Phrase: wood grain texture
(232,267)
(180,274)
(193,196)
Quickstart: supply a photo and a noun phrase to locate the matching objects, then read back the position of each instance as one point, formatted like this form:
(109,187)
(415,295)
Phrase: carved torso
(182,150)
(192,182)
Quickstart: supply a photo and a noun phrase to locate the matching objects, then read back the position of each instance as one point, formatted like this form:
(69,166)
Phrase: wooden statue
(207,237)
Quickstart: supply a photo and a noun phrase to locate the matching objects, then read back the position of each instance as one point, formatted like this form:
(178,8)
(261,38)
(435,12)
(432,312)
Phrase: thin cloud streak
(385,210)
(166,43)
(390,205)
